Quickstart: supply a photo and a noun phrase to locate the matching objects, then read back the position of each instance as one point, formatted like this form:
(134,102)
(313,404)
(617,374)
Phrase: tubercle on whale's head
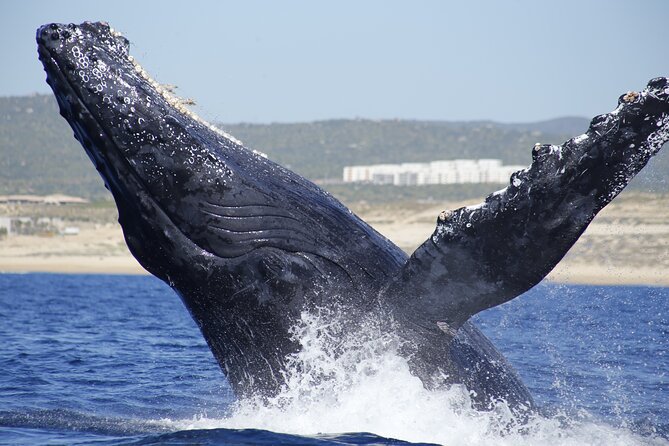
(151,151)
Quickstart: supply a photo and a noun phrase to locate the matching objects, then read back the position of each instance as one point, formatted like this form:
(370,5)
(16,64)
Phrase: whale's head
(246,243)
(174,177)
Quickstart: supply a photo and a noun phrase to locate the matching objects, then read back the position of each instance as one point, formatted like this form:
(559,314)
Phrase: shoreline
(566,272)
(121,265)
(626,244)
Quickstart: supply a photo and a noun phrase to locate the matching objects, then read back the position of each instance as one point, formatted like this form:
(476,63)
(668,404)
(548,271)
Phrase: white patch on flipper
(442,229)
(657,139)
(580,138)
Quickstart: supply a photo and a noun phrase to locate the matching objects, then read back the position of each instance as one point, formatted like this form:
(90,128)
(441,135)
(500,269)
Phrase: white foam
(367,387)
(581,138)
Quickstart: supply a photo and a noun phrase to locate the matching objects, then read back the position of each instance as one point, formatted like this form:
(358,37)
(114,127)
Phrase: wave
(72,421)
(358,383)
(341,389)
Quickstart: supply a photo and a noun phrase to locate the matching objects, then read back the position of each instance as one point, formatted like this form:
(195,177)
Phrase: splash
(357,382)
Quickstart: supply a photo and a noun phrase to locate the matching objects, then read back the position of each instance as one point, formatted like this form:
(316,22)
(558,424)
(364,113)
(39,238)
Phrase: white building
(459,171)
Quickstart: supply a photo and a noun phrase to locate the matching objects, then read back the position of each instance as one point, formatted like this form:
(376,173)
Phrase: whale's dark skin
(249,245)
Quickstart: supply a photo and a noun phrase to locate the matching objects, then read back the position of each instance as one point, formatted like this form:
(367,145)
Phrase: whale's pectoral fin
(482,256)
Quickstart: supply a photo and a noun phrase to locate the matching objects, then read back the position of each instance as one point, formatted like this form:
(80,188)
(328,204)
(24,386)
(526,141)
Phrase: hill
(38,154)
(320,150)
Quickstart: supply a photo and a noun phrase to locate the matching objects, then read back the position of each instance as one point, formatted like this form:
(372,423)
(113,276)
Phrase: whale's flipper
(482,256)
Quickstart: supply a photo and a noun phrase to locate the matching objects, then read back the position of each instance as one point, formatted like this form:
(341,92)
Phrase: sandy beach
(628,243)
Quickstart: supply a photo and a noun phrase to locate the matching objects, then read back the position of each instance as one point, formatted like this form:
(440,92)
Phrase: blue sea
(117,360)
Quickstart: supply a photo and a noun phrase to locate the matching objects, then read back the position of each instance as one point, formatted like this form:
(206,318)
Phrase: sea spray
(357,382)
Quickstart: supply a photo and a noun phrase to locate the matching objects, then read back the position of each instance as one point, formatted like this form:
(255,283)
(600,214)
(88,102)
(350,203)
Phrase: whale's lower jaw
(251,246)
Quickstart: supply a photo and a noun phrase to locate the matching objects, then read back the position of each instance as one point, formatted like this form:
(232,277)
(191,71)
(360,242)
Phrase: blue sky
(287,61)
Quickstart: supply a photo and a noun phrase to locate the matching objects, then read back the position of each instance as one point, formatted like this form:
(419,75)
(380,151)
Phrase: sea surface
(117,360)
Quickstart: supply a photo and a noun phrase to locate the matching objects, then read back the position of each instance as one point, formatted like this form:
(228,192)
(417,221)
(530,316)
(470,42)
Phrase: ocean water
(116,360)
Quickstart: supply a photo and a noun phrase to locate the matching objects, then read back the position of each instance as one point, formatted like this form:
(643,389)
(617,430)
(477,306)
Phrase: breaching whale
(250,246)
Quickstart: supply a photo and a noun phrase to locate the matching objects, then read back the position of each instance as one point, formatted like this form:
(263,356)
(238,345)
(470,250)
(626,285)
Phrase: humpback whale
(249,246)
